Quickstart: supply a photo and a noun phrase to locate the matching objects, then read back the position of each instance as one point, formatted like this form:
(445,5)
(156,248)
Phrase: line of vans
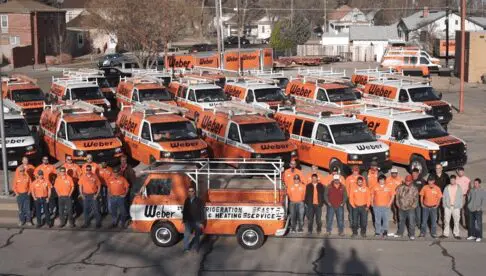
(93,75)
(141,89)
(256,92)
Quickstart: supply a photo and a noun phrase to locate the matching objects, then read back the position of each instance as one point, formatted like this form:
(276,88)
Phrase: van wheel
(336,164)
(419,163)
(250,237)
(164,234)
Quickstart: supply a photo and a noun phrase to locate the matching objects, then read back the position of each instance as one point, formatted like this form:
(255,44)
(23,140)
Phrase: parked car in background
(111,59)
(234,40)
(202,47)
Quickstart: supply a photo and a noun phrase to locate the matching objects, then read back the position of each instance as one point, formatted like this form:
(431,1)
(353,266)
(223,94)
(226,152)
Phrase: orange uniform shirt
(117,186)
(49,172)
(320,177)
(431,195)
(296,193)
(394,181)
(21,184)
(329,178)
(351,181)
(73,170)
(288,176)
(360,196)
(105,175)
(40,188)
(90,184)
(315,198)
(29,170)
(94,168)
(382,195)
(64,185)
(372,178)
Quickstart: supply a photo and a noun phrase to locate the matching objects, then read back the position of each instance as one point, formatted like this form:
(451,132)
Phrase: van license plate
(13,163)
(444,163)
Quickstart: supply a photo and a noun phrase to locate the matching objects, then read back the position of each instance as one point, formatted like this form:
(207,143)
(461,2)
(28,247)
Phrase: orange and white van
(251,211)
(415,139)
(362,76)
(140,89)
(410,62)
(24,92)
(319,91)
(77,129)
(329,140)
(215,77)
(165,77)
(277,76)
(405,91)
(153,131)
(256,92)
(77,89)
(196,95)
(239,130)
(409,50)
(93,75)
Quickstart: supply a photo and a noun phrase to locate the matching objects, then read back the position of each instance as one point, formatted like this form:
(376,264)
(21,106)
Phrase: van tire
(336,164)
(419,162)
(164,234)
(250,237)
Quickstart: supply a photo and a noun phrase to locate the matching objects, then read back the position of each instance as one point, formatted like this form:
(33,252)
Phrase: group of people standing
(96,189)
(411,200)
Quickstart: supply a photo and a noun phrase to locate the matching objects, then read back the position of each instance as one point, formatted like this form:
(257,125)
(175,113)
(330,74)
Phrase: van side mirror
(287,135)
(440,95)
(357,94)
(248,100)
(199,132)
(401,135)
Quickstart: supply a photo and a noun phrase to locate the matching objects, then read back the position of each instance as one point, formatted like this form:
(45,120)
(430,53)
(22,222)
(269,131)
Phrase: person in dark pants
(430,198)
(117,192)
(64,186)
(407,199)
(360,199)
(49,172)
(442,180)
(314,199)
(193,217)
(419,183)
(128,173)
(89,189)
(41,192)
(476,204)
(335,197)
(21,188)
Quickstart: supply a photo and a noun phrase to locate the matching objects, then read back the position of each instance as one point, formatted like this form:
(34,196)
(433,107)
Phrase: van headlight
(204,151)
(166,154)
(30,148)
(257,155)
(387,153)
(79,153)
(353,156)
(293,153)
(118,150)
(433,154)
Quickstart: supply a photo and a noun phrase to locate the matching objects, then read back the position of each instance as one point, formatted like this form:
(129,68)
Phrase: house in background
(342,18)
(377,37)
(73,8)
(255,30)
(30,31)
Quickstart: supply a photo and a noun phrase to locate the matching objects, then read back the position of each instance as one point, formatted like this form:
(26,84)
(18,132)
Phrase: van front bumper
(282,231)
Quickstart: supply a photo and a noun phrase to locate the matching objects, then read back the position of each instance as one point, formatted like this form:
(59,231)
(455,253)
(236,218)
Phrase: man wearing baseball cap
(360,200)
(335,197)
(351,181)
(394,180)
(406,198)
(373,173)
(430,200)
(329,178)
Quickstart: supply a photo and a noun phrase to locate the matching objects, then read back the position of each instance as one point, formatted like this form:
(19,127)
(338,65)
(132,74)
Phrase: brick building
(30,31)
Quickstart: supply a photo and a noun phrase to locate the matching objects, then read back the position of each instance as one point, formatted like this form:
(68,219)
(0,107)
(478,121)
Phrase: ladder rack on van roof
(18,80)
(374,72)
(77,107)
(233,108)
(82,72)
(400,81)
(320,73)
(140,80)
(390,111)
(325,79)
(68,81)
(12,107)
(314,110)
(372,100)
(255,80)
(197,80)
(266,73)
(148,108)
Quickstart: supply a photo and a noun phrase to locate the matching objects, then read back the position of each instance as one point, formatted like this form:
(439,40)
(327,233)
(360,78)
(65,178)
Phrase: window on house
(14,40)
(263,29)
(457,22)
(80,40)
(4,21)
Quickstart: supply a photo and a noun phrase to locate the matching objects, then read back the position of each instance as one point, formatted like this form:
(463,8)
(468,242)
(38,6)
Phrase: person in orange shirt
(64,186)
(314,199)
(382,196)
(105,173)
(394,180)
(41,192)
(360,200)
(21,188)
(89,189)
(288,174)
(372,175)
(330,177)
(89,162)
(430,196)
(117,190)
(74,171)
(29,169)
(351,183)
(296,194)
(49,175)
(315,170)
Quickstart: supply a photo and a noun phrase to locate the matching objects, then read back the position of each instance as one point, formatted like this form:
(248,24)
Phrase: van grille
(187,154)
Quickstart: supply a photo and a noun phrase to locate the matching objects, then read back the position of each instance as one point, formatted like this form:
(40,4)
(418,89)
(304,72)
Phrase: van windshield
(261,133)
(426,128)
(16,128)
(89,130)
(27,95)
(269,94)
(341,94)
(423,94)
(352,134)
(210,95)
(173,131)
(282,82)
(86,93)
(159,94)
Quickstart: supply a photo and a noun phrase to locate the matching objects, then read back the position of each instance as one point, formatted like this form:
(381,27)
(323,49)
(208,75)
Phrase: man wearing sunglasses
(193,218)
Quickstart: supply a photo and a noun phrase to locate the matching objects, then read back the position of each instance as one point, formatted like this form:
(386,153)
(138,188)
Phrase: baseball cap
(335,177)
(335,169)
(408,178)
(394,170)
(381,177)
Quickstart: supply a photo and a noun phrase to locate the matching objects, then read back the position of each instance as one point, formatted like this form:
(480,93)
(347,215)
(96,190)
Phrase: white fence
(347,52)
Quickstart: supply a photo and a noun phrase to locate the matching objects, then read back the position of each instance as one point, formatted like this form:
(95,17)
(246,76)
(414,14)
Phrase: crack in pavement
(445,253)
(86,261)
(9,240)
(315,263)
(206,254)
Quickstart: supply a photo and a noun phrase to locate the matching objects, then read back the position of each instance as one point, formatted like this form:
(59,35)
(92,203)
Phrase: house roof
(331,34)
(481,21)
(74,4)
(417,20)
(339,12)
(373,33)
(26,6)
(82,21)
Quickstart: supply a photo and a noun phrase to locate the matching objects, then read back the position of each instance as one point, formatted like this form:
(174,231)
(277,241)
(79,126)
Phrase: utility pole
(59,4)
(447,36)
(4,145)
(325,16)
(221,24)
(463,54)
(239,35)
(291,13)
(218,30)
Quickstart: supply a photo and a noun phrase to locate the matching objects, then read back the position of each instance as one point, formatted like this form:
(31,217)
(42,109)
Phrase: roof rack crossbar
(157,108)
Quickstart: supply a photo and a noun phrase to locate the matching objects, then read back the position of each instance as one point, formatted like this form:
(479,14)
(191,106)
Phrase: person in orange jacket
(372,175)
(74,171)
(288,174)
(349,184)
(430,197)
(41,192)
(64,186)
(382,196)
(89,189)
(394,180)
(296,194)
(330,177)
(117,190)
(320,175)
(89,162)
(105,173)
(50,176)
(29,169)
(360,200)
(21,188)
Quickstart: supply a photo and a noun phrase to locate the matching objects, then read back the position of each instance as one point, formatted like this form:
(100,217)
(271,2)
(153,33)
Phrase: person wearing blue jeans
(41,192)
(382,199)
(419,183)
(296,194)
(117,189)
(89,189)
(476,204)
(90,208)
(430,197)
(21,188)
(406,198)
(339,213)
(193,217)
(335,197)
